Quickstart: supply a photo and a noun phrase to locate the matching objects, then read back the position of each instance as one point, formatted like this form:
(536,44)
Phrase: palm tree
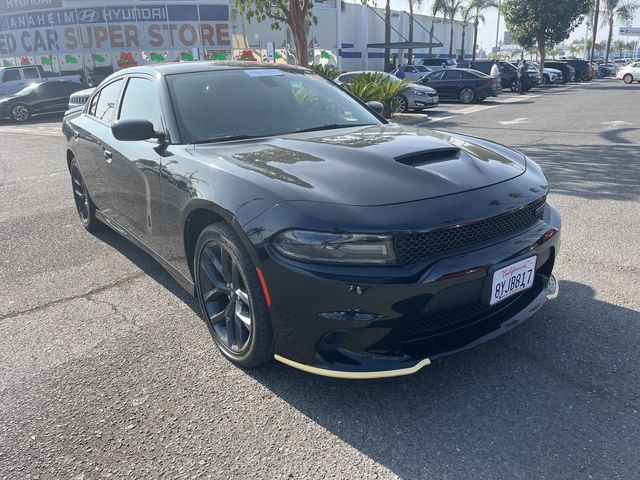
(465,18)
(476,7)
(618,45)
(596,12)
(615,9)
(451,9)
(412,5)
(438,6)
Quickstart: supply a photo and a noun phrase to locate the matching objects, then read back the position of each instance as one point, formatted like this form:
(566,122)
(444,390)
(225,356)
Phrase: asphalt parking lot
(108,372)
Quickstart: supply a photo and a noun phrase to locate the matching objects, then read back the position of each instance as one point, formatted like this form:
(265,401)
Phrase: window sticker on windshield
(263,72)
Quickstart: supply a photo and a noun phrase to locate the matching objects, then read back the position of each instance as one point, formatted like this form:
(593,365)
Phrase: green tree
(296,14)
(615,9)
(438,6)
(465,18)
(541,22)
(413,4)
(596,12)
(476,9)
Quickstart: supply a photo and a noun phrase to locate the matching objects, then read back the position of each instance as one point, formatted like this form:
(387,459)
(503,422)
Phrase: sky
(487,32)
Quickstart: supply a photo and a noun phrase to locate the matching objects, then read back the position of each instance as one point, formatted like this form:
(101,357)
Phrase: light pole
(498,26)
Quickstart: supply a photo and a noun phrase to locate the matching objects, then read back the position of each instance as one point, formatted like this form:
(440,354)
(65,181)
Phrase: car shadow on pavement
(146,263)
(554,398)
(595,172)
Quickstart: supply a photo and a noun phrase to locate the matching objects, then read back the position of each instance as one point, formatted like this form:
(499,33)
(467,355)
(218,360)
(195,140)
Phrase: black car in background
(568,72)
(583,70)
(508,74)
(38,98)
(462,84)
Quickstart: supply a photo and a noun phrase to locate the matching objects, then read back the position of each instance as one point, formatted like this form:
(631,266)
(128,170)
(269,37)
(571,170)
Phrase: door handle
(108,156)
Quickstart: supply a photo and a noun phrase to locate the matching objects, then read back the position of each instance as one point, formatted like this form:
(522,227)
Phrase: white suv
(630,73)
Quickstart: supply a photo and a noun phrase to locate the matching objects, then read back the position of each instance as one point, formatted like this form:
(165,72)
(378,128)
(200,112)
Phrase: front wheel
(628,78)
(400,104)
(514,86)
(231,297)
(20,113)
(467,95)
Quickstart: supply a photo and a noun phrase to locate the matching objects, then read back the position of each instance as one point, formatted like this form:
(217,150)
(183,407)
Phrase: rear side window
(452,75)
(105,108)
(31,73)
(140,102)
(11,75)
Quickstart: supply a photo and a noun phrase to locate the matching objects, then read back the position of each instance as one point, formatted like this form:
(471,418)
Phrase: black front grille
(445,318)
(414,247)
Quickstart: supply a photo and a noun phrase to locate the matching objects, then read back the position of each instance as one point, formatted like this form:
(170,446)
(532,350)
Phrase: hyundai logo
(88,16)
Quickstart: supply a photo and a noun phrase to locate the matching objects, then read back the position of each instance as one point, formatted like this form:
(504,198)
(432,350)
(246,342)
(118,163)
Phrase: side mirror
(133,130)
(376,106)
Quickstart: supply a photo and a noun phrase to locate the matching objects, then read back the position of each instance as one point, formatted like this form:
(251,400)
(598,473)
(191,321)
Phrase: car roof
(195,67)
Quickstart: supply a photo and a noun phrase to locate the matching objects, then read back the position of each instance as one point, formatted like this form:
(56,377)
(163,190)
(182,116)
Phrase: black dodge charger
(309,229)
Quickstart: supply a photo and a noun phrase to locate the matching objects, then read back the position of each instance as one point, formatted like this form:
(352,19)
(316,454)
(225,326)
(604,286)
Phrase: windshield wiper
(229,138)
(332,126)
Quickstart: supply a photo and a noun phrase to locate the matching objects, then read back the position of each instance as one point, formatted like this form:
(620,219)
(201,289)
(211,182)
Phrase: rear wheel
(20,112)
(628,78)
(231,297)
(467,95)
(84,206)
(514,86)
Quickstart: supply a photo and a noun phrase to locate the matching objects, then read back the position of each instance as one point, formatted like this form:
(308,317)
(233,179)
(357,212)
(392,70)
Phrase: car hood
(373,165)
(421,88)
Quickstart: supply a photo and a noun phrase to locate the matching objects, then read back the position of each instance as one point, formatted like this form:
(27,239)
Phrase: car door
(92,153)
(45,98)
(433,80)
(451,82)
(135,165)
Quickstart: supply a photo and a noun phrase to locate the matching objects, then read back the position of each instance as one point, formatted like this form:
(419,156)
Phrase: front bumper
(352,327)
(420,102)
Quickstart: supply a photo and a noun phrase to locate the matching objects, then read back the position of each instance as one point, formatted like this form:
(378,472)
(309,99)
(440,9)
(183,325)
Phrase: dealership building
(97,37)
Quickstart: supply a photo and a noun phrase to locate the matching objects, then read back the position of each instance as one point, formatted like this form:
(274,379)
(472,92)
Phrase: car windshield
(245,103)
(422,68)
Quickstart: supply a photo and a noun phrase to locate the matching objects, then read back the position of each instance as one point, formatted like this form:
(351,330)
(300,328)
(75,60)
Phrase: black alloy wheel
(84,206)
(20,112)
(231,297)
(467,95)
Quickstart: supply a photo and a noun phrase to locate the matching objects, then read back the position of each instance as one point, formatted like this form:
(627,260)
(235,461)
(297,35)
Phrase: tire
(467,95)
(84,205)
(401,104)
(628,79)
(20,112)
(514,86)
(231,298)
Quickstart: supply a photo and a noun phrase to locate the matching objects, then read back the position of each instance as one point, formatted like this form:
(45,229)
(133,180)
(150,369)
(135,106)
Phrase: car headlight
(418,92)
(342,248)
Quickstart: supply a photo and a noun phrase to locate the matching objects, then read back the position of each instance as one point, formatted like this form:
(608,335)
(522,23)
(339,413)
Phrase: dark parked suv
(582,68)
(508,74)
(568,72)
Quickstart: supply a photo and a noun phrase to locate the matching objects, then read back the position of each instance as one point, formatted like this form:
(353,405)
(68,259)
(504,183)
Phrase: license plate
(512,279)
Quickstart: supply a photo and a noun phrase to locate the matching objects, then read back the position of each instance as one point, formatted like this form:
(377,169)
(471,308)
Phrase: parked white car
(79,99)
(412,72)
(551,75)
(630,73)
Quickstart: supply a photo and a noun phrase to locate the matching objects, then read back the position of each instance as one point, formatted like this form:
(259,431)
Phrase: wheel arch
(202,213)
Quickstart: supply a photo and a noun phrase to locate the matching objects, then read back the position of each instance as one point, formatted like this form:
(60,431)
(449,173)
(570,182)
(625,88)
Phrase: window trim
(20,76)
(128,78)
(99,93)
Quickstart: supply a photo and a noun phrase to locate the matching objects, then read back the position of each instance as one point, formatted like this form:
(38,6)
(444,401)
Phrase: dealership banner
(45,30)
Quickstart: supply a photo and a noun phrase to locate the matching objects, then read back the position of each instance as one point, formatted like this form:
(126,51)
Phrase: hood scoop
(419,159)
